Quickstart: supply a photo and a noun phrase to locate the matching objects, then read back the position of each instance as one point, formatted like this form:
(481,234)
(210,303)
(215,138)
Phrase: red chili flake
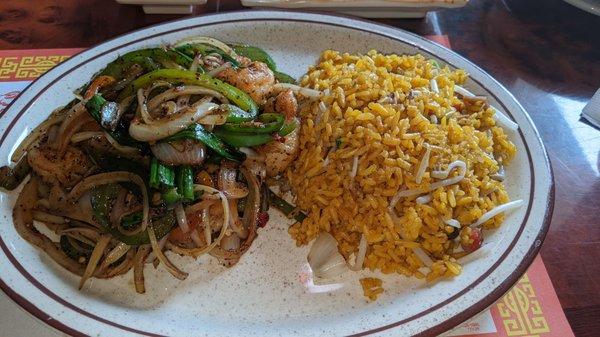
(262,219)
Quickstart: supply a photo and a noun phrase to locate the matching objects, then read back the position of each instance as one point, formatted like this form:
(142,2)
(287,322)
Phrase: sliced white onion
(230,242)
(115,254)
(219,69)
(157,250)
(354,167)
(360,257)
(424,199)
(434,86)
(422,255)
(218,117)
(228,184)
(497,210)
(208,192)
(307,92)
(324,258)
(142,107)
(192,152)
(181,218)
(207,229)
(171,125)
(184,91)
(94,259)
(196,238)
(423,165)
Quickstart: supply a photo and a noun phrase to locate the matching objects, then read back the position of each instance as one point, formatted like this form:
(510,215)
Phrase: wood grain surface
(547,53)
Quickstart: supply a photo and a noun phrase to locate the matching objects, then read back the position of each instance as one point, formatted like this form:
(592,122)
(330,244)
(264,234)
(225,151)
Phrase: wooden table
(547,53)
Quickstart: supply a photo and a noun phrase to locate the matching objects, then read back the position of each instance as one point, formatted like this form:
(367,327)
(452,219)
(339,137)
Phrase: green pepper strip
(185,182)
(232,93)
(95,107)
(161,175)
(243,139)
(235,114)
(285,207)
(197,132)
(268,123)
(147,58)
(288,128)
(255,54)
(284,78)
(102,198)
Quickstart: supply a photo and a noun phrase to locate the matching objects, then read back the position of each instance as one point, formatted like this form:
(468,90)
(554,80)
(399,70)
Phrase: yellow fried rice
(365,141)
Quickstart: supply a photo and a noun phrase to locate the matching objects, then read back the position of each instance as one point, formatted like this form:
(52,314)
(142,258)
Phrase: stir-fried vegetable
(150,59)
(257,54)
(237,96)
(185,182)
(147,160)
(265,123)
(285,207)
(102,198)
(106,114)
(197,132)
(243,139)
(161,176)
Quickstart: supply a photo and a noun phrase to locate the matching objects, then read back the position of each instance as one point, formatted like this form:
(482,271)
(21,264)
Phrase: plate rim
(438,327)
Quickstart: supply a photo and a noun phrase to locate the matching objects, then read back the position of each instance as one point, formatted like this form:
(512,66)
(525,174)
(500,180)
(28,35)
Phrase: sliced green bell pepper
(243,139)
(237,96)
(284,78)
(285,207)
(102,198)
(161,176)
(267,123)
(149,59)
(255,54)
(197,132)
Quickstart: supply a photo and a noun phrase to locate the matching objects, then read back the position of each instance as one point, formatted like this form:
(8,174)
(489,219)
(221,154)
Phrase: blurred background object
(165,6)
(363,8)
(591,6)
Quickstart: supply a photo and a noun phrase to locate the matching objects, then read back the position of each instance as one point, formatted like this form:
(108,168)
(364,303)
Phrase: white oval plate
(264,294)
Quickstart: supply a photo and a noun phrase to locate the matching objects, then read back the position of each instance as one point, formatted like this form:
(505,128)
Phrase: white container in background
(363,8)
(165,6)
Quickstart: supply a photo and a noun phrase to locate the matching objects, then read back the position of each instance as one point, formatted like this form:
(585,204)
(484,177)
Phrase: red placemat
(530,308)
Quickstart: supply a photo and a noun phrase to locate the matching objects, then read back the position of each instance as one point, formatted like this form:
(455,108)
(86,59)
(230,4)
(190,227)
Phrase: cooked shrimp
(286,104)
(66,171)
(279,155)
(256,79)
